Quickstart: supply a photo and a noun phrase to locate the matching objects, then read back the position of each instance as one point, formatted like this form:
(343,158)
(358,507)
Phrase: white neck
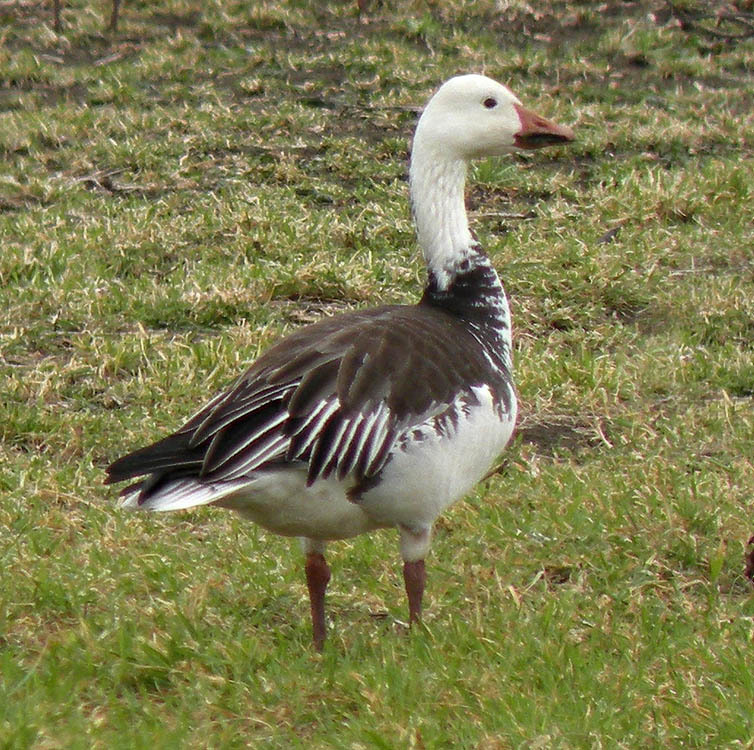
(437,200)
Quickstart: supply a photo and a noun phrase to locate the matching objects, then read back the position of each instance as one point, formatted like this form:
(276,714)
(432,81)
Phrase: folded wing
(333,397)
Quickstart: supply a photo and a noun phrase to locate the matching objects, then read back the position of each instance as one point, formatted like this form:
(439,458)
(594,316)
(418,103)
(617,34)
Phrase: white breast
(435,470)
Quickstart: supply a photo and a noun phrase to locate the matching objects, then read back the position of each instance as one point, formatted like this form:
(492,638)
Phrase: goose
(379,417)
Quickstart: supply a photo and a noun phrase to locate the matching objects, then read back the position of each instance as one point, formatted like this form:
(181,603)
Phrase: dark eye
(490,102)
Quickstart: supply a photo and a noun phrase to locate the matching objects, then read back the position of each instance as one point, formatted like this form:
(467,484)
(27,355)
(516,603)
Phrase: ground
(179,193)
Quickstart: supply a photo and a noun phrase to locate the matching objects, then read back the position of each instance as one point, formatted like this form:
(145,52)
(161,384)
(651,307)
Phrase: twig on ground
(698,20)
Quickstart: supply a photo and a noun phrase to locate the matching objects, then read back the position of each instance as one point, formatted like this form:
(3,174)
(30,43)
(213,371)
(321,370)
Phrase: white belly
(280,501)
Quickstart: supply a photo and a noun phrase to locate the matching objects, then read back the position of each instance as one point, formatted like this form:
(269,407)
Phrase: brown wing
(335,395)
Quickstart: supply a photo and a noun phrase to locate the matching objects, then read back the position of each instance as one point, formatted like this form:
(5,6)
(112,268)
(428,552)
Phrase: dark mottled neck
(474,293)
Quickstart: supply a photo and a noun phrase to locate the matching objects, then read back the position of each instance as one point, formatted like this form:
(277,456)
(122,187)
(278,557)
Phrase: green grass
(176,196)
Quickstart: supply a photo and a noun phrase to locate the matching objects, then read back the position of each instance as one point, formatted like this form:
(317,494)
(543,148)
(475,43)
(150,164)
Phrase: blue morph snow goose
(374,418)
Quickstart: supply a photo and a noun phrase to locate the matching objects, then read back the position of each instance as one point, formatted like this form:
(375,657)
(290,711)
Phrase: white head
(472,116)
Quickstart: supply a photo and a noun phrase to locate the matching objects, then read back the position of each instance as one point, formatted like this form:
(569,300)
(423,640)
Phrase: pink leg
(317,578)
(414,576)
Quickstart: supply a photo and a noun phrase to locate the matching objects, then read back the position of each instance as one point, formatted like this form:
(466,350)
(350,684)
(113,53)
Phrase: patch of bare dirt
(550,434)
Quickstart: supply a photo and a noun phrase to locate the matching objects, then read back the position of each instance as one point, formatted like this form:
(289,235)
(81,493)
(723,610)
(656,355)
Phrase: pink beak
(536,131)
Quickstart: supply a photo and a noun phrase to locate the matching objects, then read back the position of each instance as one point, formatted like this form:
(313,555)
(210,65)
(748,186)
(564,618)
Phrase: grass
(176,196)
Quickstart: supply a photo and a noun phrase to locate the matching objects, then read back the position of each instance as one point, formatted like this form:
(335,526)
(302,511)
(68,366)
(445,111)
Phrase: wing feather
(238,407)
(351,452)
(308,434)
(378,433)
(336,460)
(225,447)
(326,449)
(269,450)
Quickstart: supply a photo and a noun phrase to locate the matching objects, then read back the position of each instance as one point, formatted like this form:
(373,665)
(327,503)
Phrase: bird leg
(414,547)
(414,576)
(317,578)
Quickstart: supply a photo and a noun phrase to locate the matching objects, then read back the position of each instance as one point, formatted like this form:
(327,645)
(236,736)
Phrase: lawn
(179,193)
